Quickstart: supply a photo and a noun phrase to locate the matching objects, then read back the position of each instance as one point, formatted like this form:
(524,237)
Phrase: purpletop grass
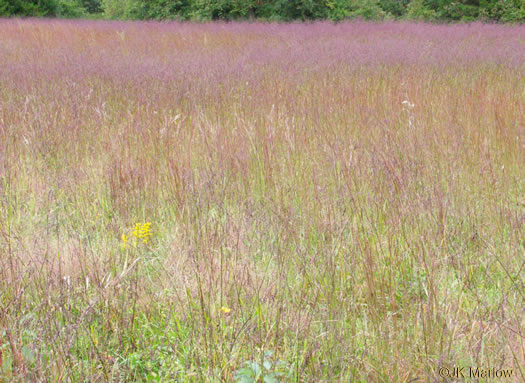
(350,196)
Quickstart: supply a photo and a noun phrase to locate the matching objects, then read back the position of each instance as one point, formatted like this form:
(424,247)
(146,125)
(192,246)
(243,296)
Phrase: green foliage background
(273,10)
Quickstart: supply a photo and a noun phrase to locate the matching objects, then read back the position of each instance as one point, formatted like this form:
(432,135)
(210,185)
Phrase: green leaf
(256,369)
(28,354)
(270,378)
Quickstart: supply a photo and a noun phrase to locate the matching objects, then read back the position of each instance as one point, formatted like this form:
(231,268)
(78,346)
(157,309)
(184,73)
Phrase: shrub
(121,9)
(509,11)
(418,10)
(71,9)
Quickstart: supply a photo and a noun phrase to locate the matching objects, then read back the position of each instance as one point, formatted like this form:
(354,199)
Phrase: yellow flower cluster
(142,232)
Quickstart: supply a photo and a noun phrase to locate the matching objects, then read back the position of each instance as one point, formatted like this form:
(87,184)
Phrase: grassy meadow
(250,202)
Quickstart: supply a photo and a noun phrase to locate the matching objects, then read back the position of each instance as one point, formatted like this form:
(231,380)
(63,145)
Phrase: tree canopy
(272,10)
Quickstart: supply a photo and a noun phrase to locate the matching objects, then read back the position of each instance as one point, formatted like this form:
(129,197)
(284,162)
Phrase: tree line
(270,10)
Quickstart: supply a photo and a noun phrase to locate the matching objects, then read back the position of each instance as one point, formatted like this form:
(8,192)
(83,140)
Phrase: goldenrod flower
(141,232)
(124,242)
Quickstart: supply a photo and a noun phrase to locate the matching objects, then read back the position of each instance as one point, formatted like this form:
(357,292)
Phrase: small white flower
(409,104)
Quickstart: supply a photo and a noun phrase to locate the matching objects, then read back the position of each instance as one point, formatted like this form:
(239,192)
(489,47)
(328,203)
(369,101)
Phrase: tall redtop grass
(350,196)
